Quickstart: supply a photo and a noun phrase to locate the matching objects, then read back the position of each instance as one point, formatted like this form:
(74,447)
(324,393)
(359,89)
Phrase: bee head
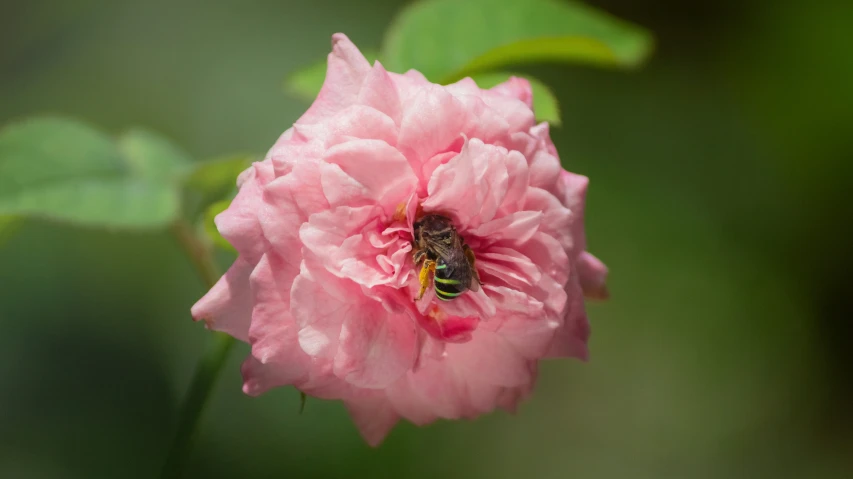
(435,228)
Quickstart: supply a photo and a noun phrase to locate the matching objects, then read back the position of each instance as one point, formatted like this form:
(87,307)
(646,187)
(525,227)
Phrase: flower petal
(385,174)
(286,153)
(440,387)
(288,201)
(376,347)
(571,337)
(320,303)
(515,228)
(481,122)
(491,359)
(374,416)
(239,223)
(345,74)
(484,166)
(342,190)
(575,187)
(379,92)
(530,337)
(354,121)
(227,307)
(430,167)
(259,378)
(593,276)
(515,87)
(451,329)
(557,220)
(548,255)
(544,164)
(274,333)
(432,122)
(340,240)
(509,300)
(409,404)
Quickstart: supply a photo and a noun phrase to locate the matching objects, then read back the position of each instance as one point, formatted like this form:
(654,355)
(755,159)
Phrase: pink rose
(325,283)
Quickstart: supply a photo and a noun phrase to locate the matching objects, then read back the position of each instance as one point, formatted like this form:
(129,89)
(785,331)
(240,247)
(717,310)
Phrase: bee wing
(442,251)
(475,281)
(475,276)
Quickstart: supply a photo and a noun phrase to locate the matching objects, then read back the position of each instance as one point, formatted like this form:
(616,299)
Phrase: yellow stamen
(400,213)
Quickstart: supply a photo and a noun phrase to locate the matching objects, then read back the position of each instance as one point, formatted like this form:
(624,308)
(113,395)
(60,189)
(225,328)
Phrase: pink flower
(325,284)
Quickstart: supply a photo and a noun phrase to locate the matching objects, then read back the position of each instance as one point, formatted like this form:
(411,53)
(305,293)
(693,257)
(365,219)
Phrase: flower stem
(208,367)
(198,252)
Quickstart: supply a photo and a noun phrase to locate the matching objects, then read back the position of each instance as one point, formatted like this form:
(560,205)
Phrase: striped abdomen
(450,282)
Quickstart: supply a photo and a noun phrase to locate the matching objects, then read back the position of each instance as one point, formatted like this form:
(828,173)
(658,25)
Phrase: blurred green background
(720,198)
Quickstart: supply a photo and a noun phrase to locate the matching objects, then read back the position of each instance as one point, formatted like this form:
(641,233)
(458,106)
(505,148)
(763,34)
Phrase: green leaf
(212,181)
(449,39)
(306,82)
(151,156)
(64,170)
(210,227)
(545,104)
(218,176)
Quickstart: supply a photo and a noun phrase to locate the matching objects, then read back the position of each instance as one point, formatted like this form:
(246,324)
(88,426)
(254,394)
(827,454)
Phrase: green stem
(198,252)
(208,368)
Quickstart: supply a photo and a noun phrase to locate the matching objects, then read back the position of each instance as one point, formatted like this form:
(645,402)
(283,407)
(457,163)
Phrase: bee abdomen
(447,288)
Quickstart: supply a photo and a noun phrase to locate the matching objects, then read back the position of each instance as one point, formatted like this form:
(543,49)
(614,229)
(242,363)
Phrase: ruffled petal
(544,164)
(341,241)
(530,337)
(409,404)
(451,329)
(353,122)
(384,173)
(440,387)
(320,303)
(509,300)
(288,201)
(259,378)
(570,339)
(227,307)
(515,228)
(481,122)
(379,92)
(515,87)
(486,166)
(574,198)
(285,154)
(345,73)
(239,223)
(432,123)
(430,166)
(519,117)
(376,347)
(548,255)
(273,333)
(510,398)
(593,276)
(490,359)
(374,416)
(556,220)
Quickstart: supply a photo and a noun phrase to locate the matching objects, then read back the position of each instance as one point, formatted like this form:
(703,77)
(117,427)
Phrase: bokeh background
(721,199)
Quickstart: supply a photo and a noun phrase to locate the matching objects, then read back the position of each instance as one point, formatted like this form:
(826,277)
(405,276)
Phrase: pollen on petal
(400,212)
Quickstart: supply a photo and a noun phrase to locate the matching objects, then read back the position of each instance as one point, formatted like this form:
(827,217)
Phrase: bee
(444,258)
